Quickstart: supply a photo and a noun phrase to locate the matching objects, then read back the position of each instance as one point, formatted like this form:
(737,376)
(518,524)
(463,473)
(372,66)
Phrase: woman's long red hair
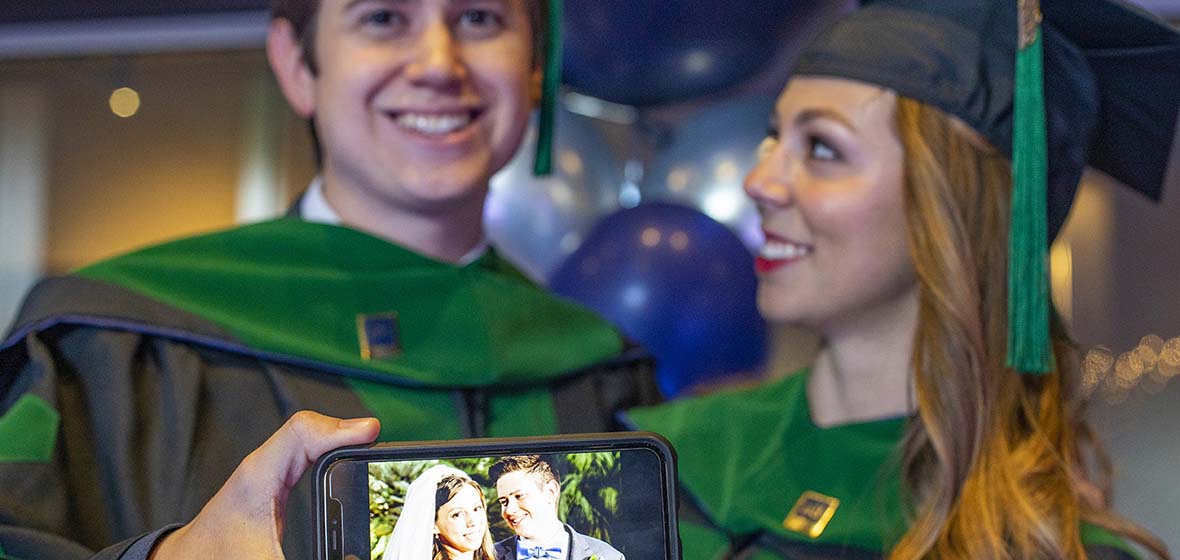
(995,464)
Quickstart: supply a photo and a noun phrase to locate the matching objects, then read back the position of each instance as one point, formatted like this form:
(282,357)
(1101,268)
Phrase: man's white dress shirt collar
(314,207)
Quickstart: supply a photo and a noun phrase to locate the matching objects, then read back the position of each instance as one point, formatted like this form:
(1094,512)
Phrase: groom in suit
(528,492)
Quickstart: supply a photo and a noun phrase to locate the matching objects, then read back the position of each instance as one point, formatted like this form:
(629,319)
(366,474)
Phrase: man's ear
(552,489)
(284,51)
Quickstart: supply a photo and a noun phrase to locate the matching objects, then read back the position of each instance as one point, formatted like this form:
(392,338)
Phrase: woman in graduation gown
(912,179)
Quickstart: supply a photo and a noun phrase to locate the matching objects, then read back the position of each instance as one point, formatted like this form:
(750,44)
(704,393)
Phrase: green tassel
(1028,275)
(550,81)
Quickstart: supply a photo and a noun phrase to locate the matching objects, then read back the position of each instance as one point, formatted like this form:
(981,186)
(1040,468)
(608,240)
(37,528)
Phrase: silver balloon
(709,156)
(537,221)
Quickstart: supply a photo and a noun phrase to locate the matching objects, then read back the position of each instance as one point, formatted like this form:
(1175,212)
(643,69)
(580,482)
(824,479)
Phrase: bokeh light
(1152,341)
(727,171)
(1149,367)
(698,62)
(124,102)
(570,162)
(1095,366)
(723,205)
(678,179)
(1170,354)
(1128,369)
(650,237)
(570,242)
(1147,356)
(1061,279)
(678,240)
(629,195)
(1167,370)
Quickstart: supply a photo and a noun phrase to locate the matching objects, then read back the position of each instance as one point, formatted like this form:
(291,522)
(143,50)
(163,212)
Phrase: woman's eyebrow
(808,115)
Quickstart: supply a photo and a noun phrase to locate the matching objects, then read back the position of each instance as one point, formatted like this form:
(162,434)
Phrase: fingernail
(354,422)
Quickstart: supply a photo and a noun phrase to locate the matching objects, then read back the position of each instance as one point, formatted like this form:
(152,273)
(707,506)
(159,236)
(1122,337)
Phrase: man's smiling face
(418,102)
(529,506)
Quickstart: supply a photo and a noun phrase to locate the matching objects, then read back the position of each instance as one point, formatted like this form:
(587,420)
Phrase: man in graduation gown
(132,388)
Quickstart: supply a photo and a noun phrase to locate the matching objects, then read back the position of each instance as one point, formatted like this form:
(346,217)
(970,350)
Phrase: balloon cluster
(675,273)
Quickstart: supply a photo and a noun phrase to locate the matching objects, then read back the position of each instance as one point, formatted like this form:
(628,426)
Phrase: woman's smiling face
(462,521)
(828,185)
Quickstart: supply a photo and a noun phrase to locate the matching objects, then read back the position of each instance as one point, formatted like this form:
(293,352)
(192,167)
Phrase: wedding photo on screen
(596,505)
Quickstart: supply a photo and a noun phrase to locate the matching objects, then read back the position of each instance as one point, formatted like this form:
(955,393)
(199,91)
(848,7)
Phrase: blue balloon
(679,283)
(708,158)
(649,52)
(538,221)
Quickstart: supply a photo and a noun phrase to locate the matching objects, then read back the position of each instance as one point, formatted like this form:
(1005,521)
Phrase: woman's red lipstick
(778,252)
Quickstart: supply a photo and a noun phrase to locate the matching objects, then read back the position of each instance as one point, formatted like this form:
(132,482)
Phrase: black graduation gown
(130,391)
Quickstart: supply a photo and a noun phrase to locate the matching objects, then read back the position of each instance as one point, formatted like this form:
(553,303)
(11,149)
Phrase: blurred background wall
(668,114)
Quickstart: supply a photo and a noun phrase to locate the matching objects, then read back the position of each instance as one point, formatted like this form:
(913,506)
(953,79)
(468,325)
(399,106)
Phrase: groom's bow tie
(528,553)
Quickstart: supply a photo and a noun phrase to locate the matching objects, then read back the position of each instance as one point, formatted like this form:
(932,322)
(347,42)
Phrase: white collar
(562,541)
(314,207)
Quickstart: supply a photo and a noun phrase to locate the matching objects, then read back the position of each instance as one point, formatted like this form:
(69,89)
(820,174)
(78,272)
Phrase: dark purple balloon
(676,281)
(648,52)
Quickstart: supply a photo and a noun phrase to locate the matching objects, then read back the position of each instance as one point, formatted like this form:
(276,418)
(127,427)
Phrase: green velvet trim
(296,289)
(427,414)
(701,543)
(1028,276)
(28,431)
(524,413)
(1097,536)
(409,414)
(747,471)
(704,543)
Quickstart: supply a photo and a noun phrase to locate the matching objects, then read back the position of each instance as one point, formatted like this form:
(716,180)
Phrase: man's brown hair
(531,464)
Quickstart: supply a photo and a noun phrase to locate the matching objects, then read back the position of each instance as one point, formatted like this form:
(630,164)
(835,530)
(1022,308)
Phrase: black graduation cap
(1111,92)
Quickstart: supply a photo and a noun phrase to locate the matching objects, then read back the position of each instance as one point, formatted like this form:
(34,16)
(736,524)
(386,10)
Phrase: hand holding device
(244,518)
